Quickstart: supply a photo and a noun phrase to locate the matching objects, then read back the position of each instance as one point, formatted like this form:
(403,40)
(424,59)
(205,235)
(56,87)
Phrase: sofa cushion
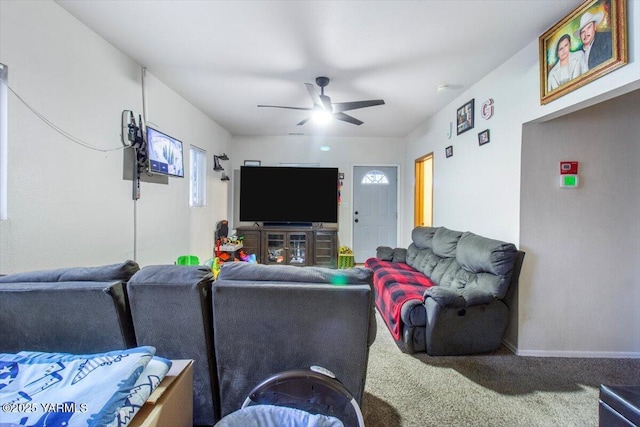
(399,255)
(445,272)
(480,254)
(122,271)
(422,236)
(384,253)
(291,273)
(487,264)
(416,256)
(445,242)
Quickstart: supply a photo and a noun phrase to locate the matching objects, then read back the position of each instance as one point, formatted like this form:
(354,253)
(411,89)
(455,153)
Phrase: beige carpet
(495,389)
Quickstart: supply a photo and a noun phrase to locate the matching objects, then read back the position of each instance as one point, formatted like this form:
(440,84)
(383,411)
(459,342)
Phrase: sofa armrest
(453,298)
(445,297)
(400,255)
(386,253)
(477,296)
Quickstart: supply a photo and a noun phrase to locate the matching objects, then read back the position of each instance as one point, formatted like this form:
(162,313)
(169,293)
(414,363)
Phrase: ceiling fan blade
(346,106)
(289,108)
(304,121)
(314,95)
(326,103)
(347,118)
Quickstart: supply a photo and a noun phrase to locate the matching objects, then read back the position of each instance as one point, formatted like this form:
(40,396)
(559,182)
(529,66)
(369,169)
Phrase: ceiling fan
(322,105)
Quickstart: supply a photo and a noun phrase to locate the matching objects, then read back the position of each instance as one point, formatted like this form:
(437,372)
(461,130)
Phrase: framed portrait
(464,117)
(448,151)
(483,137)
(588,43)
(252,162)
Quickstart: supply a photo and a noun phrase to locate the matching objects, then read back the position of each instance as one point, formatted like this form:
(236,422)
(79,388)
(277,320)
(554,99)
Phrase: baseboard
(572,353)
(580,354)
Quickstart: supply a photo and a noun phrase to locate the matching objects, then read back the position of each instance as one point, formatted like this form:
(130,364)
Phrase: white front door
(375,209)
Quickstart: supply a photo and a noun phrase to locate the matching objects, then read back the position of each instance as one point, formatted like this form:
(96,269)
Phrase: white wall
(478,189)
(69,205)
(582,245)
(344,154)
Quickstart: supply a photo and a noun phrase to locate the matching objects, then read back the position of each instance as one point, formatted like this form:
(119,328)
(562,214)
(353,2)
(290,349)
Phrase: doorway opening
(423,197)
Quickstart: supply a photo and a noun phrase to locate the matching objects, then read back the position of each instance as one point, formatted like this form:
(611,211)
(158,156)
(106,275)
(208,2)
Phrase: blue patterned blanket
(88,390)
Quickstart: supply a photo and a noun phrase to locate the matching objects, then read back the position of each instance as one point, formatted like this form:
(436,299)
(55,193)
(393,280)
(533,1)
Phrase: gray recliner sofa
(463,309)
(269,319)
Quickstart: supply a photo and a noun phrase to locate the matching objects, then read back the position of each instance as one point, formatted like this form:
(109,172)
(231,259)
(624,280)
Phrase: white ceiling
(226,57)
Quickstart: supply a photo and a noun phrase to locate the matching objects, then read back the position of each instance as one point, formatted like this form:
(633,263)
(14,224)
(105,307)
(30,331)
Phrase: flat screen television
(288,195)
(165,153)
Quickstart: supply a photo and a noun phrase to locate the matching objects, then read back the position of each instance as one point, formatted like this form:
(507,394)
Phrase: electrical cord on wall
(59,130)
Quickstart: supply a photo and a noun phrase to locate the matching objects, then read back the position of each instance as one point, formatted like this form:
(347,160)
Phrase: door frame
(418,196)
(398,195)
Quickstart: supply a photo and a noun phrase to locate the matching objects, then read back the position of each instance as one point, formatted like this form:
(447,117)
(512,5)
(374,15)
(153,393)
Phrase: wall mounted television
(165,153)
(288,195)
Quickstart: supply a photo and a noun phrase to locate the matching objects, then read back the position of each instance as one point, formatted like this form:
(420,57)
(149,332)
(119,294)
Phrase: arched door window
(375,177)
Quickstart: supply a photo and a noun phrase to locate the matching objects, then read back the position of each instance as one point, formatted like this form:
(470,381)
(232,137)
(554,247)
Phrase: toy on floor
(215,267)
(246,258)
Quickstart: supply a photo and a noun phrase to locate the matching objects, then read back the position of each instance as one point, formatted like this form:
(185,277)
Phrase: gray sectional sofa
(74,310)
(445,293)
(253,322)
(268,320)
(171,311)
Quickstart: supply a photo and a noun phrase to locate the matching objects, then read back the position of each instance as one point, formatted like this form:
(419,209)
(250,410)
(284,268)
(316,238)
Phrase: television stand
(290,245)
(287,224)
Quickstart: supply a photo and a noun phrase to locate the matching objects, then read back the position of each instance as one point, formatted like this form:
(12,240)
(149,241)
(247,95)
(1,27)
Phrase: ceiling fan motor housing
(322,81)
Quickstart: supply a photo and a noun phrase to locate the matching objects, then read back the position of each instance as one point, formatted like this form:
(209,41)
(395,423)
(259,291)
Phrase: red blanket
(396,283)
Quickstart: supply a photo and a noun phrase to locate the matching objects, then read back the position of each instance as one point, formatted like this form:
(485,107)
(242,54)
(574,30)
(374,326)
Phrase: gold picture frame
(588,43)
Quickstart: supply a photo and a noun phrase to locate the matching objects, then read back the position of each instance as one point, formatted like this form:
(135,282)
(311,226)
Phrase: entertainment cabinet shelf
(291,245)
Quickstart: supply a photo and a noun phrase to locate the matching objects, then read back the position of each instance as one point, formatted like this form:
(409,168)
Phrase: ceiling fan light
(322,117)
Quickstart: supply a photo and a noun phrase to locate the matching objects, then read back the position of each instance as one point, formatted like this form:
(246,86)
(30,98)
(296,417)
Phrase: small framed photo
(448,151)
(586,44)
(483,137)
(252,162)
(464,117)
